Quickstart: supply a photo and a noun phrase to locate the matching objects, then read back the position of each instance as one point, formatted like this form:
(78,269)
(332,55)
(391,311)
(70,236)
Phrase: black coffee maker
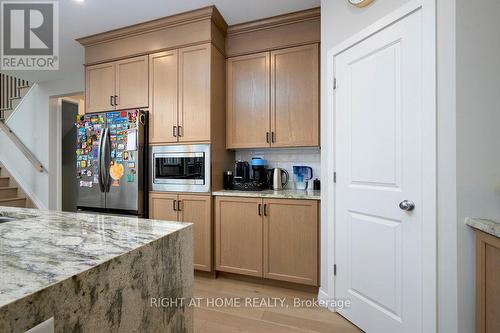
(241,172)
(259,170)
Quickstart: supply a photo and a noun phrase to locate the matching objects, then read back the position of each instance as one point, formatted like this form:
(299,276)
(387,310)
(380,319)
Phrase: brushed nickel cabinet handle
(174,202)
(116,100)
(111,101)
(179,131)
(265,209)
(273,137)
(179,205)
(267,137)
(260,210)
(174,131)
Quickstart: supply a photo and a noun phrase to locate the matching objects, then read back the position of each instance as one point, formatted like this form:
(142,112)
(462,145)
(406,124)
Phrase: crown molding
(275,21)
(209,12)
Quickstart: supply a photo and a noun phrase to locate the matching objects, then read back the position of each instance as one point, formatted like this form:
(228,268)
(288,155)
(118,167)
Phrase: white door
(379,135)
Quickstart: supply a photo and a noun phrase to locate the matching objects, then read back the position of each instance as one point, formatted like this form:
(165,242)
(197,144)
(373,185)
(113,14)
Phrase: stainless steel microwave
(182,168)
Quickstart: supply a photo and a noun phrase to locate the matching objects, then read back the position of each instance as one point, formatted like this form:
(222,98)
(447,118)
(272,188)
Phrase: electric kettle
(277,178)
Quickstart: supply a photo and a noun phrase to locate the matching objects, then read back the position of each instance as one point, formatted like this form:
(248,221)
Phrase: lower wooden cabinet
(196,209)
(291,240)
(238,235)
(270,238)
(162,206)
(487,283)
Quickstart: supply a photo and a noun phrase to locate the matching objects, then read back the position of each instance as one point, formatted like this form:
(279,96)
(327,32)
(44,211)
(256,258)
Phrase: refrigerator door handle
(106,159)
(99,158)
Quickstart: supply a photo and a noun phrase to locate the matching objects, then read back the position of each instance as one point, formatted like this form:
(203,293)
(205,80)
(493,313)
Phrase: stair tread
(12,199)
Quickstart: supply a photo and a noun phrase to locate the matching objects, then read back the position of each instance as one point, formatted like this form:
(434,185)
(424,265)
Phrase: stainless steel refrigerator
(111,162)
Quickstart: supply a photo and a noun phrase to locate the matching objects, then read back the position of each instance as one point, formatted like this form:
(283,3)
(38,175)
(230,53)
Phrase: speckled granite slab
(489,226)
(284,194)
(93,273)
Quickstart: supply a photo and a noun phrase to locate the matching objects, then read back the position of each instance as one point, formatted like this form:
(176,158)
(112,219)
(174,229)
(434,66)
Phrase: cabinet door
(132,83)
(99,87)
(163,97)
(291,240)
(162,206)
(197,209)
(194,93)
(294,97)
(238,235)
(248,89)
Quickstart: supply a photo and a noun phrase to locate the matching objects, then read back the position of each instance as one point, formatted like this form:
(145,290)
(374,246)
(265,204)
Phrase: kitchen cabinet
(295,97)
(238,235)
(248,101)
(273,99)
(180,96)
(194,93)
(291,240)
(117,85)
(99,87)
(270,238)
(163,116)
(163,206)
(487,286)
(196,209)
(131,83)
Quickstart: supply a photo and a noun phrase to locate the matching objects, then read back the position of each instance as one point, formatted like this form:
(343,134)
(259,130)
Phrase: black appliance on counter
(241,172)
(259,180)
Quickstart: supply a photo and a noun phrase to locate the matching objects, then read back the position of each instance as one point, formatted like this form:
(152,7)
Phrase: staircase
(9,193)
(12,91)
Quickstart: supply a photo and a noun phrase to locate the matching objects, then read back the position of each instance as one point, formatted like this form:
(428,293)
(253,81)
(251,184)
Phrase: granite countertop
(489,226)
(283,194)
(47,247)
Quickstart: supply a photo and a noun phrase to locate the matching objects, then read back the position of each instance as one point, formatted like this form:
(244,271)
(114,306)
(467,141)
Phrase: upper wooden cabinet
(117,85)
(99,87)
(163,90)
(272,99)
(194,93)
(248,91)
(180,94)
(295,97)
(131,83)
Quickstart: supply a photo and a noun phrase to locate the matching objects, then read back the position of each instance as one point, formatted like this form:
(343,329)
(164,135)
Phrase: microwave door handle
(99,158)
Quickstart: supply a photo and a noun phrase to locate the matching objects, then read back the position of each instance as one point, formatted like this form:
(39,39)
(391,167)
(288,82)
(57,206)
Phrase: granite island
(93,273)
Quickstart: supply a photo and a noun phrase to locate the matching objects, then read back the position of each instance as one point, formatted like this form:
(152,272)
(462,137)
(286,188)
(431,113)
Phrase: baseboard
(30,196)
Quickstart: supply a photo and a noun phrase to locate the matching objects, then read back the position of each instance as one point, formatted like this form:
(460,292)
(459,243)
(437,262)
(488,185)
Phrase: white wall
(478,135)
(34,124)
(286,158)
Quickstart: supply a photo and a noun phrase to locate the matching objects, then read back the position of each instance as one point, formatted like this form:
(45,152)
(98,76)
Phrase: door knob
(407,205)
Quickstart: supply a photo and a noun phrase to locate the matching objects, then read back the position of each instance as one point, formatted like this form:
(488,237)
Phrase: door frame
(429,161)
(73,98)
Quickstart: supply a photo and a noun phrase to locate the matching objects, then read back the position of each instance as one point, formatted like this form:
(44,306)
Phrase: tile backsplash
(286,158)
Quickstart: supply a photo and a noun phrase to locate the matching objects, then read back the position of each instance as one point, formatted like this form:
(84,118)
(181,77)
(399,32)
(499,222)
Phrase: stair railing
(10,87)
